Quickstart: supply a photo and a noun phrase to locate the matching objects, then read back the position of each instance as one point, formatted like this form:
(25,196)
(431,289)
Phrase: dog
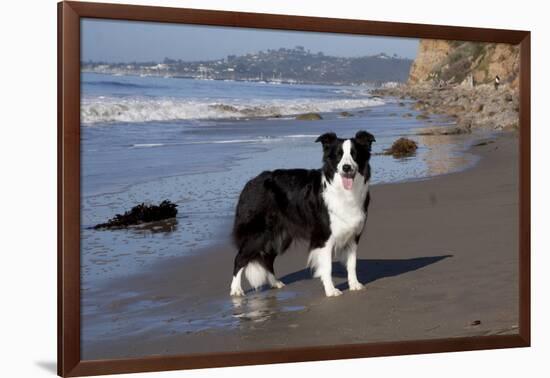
(326,208)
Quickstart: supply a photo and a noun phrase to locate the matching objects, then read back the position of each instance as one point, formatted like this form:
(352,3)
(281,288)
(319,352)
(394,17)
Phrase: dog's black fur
(283,205)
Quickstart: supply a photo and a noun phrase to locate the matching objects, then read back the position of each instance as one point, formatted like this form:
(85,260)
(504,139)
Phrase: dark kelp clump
(141,213)
(402,147)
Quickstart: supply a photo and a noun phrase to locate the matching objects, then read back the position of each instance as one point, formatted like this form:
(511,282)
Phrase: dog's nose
(346,168)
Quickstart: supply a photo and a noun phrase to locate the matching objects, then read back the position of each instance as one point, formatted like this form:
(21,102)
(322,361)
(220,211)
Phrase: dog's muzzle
(347,175)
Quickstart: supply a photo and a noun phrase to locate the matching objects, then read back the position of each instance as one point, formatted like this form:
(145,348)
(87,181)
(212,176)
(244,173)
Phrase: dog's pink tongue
(348,182)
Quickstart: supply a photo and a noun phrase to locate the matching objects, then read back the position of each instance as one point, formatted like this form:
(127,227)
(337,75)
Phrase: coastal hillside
(296,65)
(456,62)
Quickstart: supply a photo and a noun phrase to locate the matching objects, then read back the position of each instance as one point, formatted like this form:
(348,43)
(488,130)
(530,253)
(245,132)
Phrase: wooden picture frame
(69,15)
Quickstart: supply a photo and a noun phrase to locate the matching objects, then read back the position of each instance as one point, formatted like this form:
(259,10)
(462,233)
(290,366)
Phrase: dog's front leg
(351,262)
(320,259)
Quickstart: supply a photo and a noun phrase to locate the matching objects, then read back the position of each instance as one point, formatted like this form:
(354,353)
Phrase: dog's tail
(256,274)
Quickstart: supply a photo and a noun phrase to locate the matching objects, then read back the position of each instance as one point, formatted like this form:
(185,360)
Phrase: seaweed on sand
(141,213)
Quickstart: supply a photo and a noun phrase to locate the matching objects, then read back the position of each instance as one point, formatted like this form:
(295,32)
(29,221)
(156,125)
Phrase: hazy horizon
(130,41)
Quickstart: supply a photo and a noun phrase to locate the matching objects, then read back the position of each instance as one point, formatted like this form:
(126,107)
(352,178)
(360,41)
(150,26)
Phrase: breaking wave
(112,110)
(256,140)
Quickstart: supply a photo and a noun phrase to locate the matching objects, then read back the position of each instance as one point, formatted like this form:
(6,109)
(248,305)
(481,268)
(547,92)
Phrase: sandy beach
(439,259)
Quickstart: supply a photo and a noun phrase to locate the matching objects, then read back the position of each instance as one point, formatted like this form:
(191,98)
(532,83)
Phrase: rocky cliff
(456,79)
(455,62)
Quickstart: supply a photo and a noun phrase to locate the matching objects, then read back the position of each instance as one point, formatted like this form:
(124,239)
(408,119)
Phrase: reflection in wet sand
(444,153)
(259,307)
(132,313)
(163,226)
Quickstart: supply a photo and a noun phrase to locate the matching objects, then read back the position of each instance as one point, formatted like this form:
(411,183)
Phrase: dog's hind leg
(236,289)
(240,264)
(278,245)
(274,282)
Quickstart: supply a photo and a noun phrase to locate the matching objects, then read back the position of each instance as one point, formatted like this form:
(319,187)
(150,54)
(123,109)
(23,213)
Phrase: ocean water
(140,99)
(197,142)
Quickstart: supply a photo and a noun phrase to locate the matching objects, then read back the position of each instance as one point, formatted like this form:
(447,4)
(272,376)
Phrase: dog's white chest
(346,209)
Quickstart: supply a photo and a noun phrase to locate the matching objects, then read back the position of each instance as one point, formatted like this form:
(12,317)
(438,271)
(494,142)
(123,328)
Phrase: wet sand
(438,257)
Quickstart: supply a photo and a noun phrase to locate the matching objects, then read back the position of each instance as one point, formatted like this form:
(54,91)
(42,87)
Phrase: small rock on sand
(484,143)
(444,130)
(309,117)
(402,147)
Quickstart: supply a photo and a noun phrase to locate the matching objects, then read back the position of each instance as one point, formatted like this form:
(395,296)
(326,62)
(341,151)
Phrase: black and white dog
(326,207)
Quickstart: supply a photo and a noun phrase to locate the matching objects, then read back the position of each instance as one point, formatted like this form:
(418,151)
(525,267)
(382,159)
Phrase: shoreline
(409,274)
(481,107)
(251,80)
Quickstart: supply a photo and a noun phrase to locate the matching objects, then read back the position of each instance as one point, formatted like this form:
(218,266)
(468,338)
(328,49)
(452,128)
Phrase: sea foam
(118,109)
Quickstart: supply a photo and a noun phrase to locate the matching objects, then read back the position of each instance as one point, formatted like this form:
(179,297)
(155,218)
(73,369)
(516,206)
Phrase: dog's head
(346,157)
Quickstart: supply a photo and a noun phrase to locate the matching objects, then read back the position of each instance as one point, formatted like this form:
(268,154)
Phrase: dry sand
(438,257)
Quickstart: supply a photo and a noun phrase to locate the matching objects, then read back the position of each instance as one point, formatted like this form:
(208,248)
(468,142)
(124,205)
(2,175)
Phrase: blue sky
(126,41)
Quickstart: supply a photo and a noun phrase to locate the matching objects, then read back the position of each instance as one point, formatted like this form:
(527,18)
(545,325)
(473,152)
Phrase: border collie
(326,207)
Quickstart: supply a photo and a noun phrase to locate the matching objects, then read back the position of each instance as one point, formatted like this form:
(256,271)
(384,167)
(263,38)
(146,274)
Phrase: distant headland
(292,66)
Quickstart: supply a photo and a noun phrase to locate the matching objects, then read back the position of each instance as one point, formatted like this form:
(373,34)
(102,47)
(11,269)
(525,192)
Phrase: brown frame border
(69,14)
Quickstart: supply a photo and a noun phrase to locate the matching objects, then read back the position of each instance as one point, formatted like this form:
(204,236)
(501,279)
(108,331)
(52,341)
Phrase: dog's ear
(327,139)
(364,138)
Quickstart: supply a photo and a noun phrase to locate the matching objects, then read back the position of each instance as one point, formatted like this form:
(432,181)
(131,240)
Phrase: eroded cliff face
(455,62)
(431,54)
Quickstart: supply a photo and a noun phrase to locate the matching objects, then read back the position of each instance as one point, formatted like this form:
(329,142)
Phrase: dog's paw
(278,285)
(334,292)
(236,292)
(354,286)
